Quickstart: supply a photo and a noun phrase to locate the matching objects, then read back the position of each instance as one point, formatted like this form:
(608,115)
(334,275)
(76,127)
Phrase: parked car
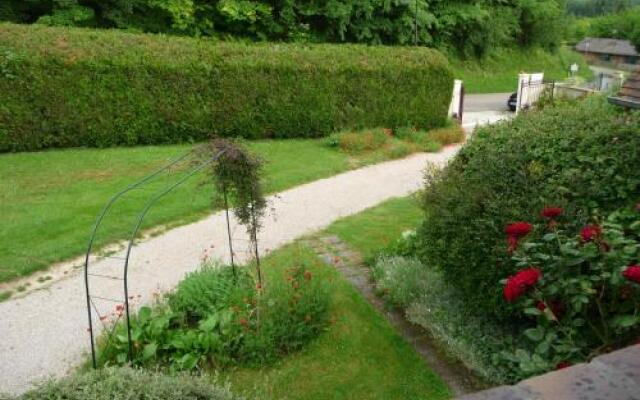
(512,102)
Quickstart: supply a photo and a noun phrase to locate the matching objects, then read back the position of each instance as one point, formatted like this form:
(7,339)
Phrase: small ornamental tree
(580,290)
(237,179)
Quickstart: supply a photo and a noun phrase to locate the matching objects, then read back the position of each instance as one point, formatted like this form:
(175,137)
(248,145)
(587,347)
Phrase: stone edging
(613,376)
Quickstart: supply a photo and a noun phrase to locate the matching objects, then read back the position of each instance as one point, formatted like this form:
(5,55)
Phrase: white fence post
(454,106)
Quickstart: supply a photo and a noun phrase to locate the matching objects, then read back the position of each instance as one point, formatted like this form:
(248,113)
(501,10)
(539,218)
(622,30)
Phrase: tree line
(469,27)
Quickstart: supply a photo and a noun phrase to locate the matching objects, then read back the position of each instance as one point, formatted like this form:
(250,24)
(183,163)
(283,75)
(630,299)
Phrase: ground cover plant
(387,143)
(77,87)
(50,199)
(222,316)
(118,383)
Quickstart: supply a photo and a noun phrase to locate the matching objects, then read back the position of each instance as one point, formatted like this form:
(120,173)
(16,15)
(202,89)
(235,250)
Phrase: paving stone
(594,381)
(625,361)
(501,393)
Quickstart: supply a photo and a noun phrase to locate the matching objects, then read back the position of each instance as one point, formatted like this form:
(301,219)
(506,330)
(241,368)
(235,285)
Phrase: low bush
(62,87)
(358,142)
(580,156)
(448,135)
(215,319)
(128,383)
(399,279)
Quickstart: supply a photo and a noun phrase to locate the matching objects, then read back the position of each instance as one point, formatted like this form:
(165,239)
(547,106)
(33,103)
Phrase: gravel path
(44,334)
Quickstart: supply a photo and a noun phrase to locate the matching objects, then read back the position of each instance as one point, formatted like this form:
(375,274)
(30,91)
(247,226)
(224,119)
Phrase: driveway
(486,102)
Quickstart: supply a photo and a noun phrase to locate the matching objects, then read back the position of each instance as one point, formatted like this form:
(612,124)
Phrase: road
(486,102)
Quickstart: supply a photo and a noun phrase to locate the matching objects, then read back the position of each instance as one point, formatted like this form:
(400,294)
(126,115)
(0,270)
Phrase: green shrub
(132,384)
(78,87)
(578,156)
(361,141)
(399,279)
(210,289)
(449,135)
(233,322)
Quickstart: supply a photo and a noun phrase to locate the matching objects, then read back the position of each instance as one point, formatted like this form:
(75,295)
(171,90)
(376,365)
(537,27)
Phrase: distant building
(612,51)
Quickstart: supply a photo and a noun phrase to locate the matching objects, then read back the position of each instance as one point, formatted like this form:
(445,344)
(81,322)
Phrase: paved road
(486,102)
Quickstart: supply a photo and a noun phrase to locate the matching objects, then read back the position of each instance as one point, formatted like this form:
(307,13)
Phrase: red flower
(551,212)
(520,282)
(563,365)
(518,229)
(590,232)
(632,273)
(119,308)
(512,244)
(541,306)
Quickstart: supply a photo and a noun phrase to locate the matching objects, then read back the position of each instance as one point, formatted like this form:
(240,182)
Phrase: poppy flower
(632,273)
(551,212)
(590,232)
(563,365)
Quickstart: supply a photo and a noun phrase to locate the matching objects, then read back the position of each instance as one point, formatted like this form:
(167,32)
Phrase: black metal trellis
(153,200)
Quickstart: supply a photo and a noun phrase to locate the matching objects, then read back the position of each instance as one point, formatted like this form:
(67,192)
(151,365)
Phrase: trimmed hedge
(579,156)
(132,384)
(62,87)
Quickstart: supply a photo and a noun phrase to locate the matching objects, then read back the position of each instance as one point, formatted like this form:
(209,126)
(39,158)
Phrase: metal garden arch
(136,228)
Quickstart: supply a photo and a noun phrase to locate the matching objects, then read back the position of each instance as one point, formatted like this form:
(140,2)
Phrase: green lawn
(360,356)
(373,229)
(499,72)
(49,200)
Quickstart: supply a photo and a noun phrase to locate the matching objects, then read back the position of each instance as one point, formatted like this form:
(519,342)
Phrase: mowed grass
(499,71)
(373,229)
(360,356)
(49,200)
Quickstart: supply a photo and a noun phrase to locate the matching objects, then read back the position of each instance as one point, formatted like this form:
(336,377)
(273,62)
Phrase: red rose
(551,212)
(520,282)
(563,365)
(541,306)
(518,229)
(513,289)
(632,273)
(529,276)
(590,232)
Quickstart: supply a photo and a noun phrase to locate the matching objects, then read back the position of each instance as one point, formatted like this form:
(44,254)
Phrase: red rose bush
(578,292)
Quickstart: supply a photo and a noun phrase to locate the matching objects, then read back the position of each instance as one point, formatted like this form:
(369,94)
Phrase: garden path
(44,333)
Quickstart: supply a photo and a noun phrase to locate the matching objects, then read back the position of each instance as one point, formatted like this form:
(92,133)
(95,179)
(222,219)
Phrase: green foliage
(398,279)
(576,155)
(124,382)
(471,27)
(623,25)
(76,87)
(582,305)
(216,319)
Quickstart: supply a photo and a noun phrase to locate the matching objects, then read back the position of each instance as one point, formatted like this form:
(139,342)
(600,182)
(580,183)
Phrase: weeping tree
(237,179)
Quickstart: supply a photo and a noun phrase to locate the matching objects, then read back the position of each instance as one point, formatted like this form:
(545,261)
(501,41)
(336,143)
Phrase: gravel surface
(45,333)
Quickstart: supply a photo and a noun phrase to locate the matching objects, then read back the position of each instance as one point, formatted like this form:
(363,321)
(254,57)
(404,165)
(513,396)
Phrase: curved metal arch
(136,229)
(96,226)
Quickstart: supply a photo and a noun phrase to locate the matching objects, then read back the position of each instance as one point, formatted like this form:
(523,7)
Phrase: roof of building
(616,47)
(629,95)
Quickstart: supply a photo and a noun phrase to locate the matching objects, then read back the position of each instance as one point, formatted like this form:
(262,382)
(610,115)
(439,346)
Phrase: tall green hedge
(63,87)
